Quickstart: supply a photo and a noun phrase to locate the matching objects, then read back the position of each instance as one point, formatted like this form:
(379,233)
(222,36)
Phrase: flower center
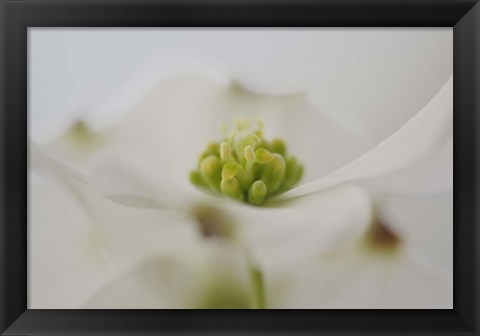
(245,166)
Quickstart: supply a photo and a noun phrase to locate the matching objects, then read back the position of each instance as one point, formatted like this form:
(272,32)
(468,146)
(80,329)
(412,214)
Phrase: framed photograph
(216,167)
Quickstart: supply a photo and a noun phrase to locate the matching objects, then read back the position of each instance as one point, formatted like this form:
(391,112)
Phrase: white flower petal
(66,261)
(320,143)
(133,183)
(121,101)
(76,232)
(45,163)
(148,153)
(304,226)
(424,133)
(130,234)
(168,127)
(432,174)
(426,224)
(156,283)
(378,79)
(362,279)
(207,275)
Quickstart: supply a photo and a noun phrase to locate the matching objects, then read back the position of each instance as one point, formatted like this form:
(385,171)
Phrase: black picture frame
(18,15)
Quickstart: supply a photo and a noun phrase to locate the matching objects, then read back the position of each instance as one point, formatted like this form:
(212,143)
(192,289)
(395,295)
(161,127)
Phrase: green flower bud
(273,173)
(212,149)
(248,153)
(226,151)
(210,170)
(293,173)
(196,179)
(230,170)
(257,192)
(244,178)
(263,155)
(231,188)
(246,166)
(278,146)
(243,139)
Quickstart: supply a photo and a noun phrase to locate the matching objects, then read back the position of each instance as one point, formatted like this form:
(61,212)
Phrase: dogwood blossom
(138,234)
(320,215)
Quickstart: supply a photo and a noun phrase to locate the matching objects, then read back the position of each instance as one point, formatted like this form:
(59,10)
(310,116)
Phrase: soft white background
(375,79)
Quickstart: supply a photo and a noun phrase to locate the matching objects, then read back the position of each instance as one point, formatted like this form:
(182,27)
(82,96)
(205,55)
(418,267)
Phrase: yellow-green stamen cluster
(246,167)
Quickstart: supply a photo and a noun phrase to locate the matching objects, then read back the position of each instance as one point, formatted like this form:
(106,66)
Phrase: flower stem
(257,287)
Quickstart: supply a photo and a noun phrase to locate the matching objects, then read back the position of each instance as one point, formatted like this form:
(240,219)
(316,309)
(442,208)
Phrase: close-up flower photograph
(240,168)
